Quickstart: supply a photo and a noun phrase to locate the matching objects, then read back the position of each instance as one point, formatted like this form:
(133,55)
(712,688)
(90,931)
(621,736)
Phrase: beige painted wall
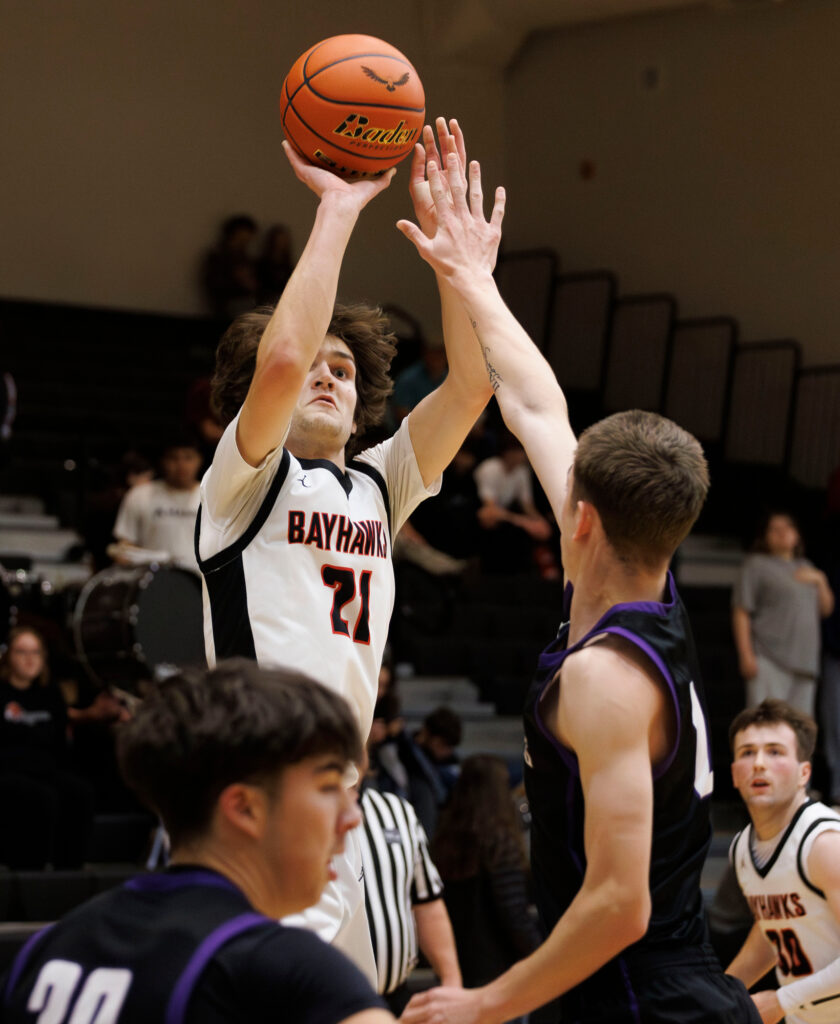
(720,186)
(130,130)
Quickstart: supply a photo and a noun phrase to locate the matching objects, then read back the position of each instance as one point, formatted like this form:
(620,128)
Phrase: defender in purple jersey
(245,766)
(617,758)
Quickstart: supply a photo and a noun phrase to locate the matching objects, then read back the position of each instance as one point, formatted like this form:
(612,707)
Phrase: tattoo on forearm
(493,374)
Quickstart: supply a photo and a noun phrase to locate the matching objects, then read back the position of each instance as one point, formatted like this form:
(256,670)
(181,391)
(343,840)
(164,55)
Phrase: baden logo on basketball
(357,126)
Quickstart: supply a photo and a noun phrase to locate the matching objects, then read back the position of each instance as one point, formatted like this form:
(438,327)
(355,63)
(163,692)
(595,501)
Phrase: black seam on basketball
(307,79)
(362,103)
(335,145)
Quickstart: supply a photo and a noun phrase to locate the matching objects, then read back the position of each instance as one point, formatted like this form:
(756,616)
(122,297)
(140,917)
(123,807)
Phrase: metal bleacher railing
(760,414)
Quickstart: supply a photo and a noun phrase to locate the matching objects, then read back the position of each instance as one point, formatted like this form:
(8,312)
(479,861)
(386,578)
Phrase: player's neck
(243,871)
(770,822)
(315,452)
(600,586)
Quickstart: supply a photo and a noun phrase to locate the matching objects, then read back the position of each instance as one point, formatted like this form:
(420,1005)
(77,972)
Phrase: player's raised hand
(464,241)
(356,194)
(444,1006)
(451,140)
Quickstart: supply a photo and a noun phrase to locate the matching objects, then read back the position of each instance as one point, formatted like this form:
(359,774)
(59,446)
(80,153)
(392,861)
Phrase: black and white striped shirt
(398,875)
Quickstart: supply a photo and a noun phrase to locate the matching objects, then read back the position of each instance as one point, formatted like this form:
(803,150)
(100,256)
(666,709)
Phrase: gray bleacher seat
(761,405)
(815,446)
(580,324)
(526,283)
(639,346)
(699,373)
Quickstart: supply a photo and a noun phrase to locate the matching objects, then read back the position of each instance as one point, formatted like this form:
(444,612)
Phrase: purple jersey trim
(20,960)
(648,607)
(177,1008)
(631,995)
(663,767)
(173,880)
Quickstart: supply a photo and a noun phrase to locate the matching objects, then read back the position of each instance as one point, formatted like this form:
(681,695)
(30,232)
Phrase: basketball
(353,104)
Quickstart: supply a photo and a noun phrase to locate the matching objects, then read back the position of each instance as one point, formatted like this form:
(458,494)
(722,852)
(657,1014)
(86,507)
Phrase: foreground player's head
(365,330)
(247,764)
(772,745)
(647,480)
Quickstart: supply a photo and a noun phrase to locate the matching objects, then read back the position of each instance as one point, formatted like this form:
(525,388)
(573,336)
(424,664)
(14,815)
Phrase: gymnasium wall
(715,142)
(129,131)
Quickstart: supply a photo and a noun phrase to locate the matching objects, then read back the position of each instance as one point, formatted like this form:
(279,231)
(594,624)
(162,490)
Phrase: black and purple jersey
(181,947)
(682,785)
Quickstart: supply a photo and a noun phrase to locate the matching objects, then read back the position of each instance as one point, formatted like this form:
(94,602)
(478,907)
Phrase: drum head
(134,624)
(169,627)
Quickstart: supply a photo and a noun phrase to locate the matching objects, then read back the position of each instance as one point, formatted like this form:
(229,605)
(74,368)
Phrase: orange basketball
(353,104)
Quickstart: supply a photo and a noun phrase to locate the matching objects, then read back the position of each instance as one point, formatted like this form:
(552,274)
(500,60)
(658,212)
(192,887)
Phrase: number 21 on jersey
(345,587)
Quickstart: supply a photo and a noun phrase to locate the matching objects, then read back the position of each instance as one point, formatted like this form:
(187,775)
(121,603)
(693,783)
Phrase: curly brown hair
(366,331)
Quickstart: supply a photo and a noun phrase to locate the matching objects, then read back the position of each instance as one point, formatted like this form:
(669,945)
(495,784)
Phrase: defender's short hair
(647,478)
(778,712)
(365,330)
(202,730)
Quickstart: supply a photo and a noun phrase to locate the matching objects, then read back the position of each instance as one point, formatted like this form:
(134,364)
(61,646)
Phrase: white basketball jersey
(790,910)
(303,578)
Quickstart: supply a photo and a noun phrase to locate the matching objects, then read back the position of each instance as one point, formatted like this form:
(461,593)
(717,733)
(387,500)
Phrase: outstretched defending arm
(608,710)
(531,401)
(300,321)
(440,423)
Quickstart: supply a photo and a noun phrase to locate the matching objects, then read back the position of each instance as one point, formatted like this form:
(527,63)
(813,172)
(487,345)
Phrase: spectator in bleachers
(229,277)
(109,484)
(156,520)
(420,378)
(479,852)
(512,528)
(386,771)
(777,605)
(431,760)
(201,418)
(275,265)
(46,811)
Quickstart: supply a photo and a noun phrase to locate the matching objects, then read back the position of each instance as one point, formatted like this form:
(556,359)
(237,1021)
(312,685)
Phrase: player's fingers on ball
(384,180)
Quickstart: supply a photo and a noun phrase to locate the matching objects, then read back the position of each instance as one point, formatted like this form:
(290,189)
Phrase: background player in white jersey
(787,863)
(294,540)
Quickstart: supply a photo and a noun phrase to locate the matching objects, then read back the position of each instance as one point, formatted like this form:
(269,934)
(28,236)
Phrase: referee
(403,896)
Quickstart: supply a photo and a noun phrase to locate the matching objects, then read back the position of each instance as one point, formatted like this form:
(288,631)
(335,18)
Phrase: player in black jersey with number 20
(617,758)
(246,768)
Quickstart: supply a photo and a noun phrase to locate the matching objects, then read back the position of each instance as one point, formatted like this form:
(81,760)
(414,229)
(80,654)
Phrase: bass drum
(139,623)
